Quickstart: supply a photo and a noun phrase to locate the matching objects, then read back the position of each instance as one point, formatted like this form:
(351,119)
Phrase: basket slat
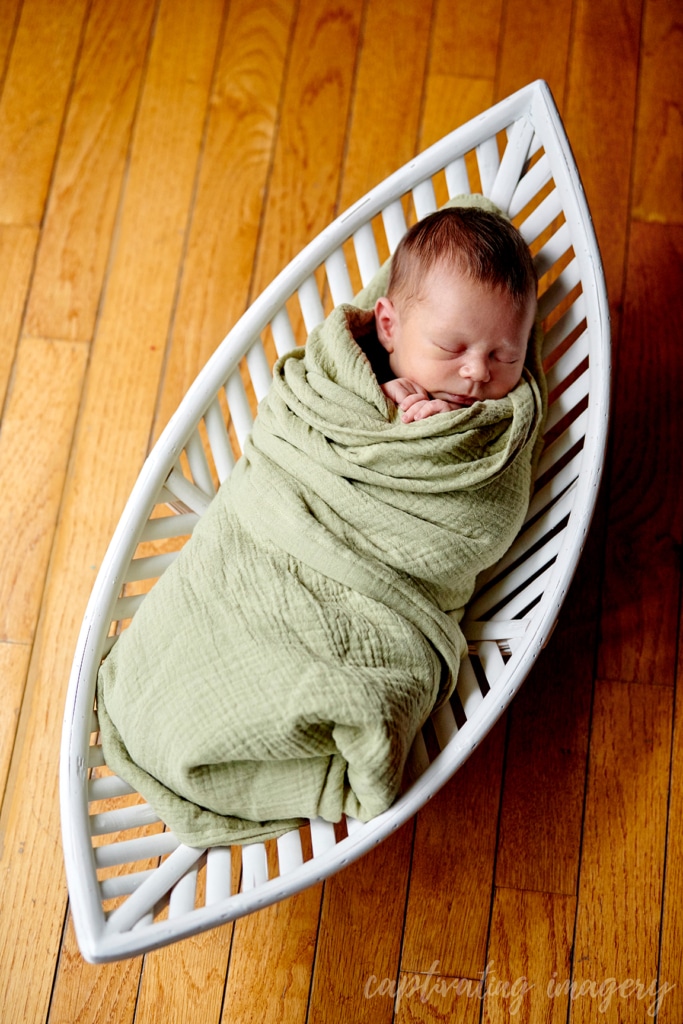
(424,199)
(254,866)
(183,894)
(530,185)
(218,875)
(283,333)
(512,164)
(311,306)
(240,409)
(395,225)
(219,442)
(138,908)
(457,179)
(365,248)
(259,369)
(338,278)
(488,162)
(166,527)
(199,466)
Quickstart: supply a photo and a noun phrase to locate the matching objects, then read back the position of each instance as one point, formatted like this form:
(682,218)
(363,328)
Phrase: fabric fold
(281,667)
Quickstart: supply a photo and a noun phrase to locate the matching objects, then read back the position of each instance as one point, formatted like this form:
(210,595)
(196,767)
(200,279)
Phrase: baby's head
(460,305)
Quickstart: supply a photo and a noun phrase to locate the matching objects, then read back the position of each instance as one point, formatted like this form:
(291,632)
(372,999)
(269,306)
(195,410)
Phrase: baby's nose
(475,368)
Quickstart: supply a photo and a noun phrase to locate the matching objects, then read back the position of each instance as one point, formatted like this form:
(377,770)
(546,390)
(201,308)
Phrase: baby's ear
(385,321)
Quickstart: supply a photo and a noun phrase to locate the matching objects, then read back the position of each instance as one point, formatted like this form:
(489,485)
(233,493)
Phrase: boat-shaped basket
(133,887)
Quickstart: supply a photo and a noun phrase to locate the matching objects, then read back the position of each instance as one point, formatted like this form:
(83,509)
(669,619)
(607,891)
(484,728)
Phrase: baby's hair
(482,245)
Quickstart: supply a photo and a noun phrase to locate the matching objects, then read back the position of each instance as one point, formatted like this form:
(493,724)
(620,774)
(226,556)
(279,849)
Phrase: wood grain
(85,192)
(599,115)
(434,999)
(304,183)
(670,963)
(622,862)
(450,881)
(360,934)
(9,17)
(658,166)
(34,450)
(233,178)
(539,841)
(639,620)
(17,252)
(44,51)
(535,43)
(271,965)
(383,136)
(465,40)
(187,980)
(451,101)
(14,659)
(85,993)
(112,438)
(529,957)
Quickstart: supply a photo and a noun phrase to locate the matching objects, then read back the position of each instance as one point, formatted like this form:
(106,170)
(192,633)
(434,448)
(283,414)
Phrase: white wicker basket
(133,886)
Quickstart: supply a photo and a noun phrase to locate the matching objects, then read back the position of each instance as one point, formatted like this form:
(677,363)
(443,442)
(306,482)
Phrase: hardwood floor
(160,161)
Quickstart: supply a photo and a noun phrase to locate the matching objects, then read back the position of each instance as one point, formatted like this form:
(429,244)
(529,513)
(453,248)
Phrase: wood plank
(671,964)
(384,123)
(17,252)
(14,659)
(304,184)
(642,560)
(658,167)
(432,999)
(451,876)
(451,101)
(154,219)
(85,993)
(112,438)
(599,117)
(360,934)
(462,67)
(465,39)
(40,419)
(187,979)
(622,863)
(44,51)
(535,43)
(529,957)
(219,261)
(9,17)
(539,837)
(273,987)
(88,175)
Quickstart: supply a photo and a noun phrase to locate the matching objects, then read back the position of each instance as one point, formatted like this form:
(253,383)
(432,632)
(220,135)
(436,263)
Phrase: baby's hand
(416,408)
(414,402)
(401,388)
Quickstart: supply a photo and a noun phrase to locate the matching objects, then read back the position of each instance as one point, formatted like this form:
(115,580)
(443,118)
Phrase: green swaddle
(281,667)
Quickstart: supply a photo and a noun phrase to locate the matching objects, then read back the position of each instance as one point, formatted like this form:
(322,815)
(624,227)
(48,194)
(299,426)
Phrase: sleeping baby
(282,666)
(458,313)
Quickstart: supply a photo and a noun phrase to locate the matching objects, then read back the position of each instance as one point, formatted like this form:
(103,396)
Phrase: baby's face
(462,341)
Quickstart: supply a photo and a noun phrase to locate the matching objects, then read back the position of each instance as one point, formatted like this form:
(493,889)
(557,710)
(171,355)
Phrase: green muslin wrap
(281,666)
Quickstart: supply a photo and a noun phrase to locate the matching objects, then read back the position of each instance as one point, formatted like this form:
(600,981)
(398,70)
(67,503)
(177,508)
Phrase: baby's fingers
(429,408)
(416,409)
(410,400)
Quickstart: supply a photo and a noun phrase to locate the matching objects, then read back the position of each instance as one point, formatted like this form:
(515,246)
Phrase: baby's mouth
(464,400)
